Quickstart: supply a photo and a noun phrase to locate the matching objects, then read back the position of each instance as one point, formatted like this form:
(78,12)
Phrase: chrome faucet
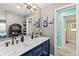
(12,40)
(22,38)
(7,44)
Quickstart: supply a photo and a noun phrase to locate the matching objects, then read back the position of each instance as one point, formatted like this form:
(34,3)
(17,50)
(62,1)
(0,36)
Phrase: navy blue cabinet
(46,48)
(29,53)
(40,50)
(37,50)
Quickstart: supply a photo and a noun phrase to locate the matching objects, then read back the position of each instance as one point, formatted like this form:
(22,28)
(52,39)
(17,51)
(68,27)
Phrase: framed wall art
(45,22)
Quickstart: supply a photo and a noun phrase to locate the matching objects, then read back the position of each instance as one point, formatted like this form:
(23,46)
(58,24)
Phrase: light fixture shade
(32,7)
(29,6)
(18,7)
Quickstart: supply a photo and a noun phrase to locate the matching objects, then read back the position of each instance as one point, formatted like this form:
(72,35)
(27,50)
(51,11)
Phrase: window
(2,29)
(29,26)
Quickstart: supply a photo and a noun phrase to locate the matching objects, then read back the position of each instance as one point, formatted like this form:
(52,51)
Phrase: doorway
(65,31)
(70,29)
(69,35)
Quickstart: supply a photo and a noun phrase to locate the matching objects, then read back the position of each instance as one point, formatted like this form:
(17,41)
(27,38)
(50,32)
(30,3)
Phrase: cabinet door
(40,50)
(29,53)
(37,51)
(46,48)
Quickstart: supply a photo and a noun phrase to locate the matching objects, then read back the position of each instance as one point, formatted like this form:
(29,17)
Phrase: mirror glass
(18,21)
(2,30)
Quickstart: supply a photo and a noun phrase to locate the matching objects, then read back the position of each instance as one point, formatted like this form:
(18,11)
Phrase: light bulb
(18,7)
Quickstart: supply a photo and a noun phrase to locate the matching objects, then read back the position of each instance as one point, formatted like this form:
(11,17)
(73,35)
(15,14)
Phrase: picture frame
(45,23)
(51,21)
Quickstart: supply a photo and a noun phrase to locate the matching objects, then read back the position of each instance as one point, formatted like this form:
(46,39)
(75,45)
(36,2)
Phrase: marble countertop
(21,47)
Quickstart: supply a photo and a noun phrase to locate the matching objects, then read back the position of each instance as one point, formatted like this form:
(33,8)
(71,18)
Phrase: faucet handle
(17,41)
(22,38)
(12,40)
(7,44)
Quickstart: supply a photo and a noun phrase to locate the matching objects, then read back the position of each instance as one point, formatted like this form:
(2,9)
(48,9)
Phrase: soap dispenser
(32,35)
(22,39)
(12,40)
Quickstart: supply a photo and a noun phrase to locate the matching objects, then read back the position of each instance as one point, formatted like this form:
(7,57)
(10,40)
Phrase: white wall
(48,11)
(14,18)
(2,15)
(11,18)
(35,17)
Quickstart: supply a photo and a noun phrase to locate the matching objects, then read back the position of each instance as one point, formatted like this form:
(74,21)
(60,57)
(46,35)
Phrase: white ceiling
(11,7)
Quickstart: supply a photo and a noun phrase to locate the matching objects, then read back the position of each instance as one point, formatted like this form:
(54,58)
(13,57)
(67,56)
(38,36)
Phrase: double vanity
(39,46)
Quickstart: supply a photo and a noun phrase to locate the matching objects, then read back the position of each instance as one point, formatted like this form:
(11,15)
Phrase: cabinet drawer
(40,50)
(46,48)
(37,51)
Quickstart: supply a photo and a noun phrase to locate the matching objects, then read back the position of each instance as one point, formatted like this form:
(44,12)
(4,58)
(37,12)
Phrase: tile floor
(68,50)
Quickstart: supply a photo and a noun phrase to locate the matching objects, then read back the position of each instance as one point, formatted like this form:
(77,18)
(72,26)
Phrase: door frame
(55,32)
